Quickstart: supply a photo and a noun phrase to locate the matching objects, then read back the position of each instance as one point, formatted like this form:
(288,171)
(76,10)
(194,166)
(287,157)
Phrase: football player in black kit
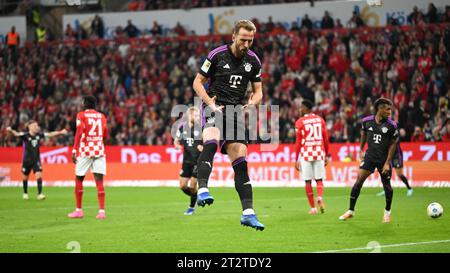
(228,70)
(381,135)
(31,156)
(188,136)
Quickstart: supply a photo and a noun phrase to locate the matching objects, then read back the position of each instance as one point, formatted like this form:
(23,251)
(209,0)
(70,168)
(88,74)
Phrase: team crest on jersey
(247,67)
(196,133)
(384,130)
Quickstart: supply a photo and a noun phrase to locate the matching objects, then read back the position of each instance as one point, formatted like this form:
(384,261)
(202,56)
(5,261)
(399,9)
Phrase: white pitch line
(384,246)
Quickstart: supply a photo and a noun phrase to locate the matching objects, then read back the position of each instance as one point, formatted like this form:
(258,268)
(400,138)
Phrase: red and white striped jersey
(91,131)
(311,138)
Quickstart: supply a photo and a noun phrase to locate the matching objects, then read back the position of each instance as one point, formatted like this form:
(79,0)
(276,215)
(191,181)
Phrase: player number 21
(314,131)
(96,125)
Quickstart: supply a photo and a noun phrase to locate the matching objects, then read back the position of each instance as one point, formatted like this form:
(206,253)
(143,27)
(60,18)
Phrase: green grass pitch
(152,220)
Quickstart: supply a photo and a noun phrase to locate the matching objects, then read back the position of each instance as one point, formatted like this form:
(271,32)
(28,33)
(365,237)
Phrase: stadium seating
(139,80)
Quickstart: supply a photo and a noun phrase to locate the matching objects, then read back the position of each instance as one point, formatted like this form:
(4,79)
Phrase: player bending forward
(31,156)
(229,68)
(311,150)
(188,136)
(89,153)
(380,132)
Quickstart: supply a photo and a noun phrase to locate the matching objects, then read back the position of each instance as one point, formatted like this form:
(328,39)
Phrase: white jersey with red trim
(311,138)
(91,131)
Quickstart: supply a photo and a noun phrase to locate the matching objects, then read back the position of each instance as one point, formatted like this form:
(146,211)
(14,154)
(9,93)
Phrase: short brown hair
(247,24)
(28,123)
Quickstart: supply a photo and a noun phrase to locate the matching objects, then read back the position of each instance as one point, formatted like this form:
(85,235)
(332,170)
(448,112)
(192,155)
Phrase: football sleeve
(79,131)
(298,139)
(326,138)
(257,70)
(208,67)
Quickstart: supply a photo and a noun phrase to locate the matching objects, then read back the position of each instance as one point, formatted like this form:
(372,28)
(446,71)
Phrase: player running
(397,163)
(229,69)
(31,155)
(89,153)
(380,133)
(188,136)
(311,150)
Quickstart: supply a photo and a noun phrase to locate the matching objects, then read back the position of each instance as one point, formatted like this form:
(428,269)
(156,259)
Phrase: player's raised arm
(14,132)
(56,133)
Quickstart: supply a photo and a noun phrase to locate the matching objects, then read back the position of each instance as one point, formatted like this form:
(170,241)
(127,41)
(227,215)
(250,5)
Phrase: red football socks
(310,194)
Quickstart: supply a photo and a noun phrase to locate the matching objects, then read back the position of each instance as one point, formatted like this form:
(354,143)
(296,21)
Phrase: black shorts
(370,165)
(188,170)
(397,161)
(232,128)
(28,166)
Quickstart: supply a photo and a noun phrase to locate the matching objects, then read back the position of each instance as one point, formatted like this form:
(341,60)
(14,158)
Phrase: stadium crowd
(135,5)
(343,70)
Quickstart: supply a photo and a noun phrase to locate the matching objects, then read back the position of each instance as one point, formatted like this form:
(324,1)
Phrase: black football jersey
(229,76)
(379,137)
(190,138)
(31,146)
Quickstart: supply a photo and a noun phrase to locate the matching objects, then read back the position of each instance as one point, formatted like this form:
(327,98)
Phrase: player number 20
(314,131)
(96,125)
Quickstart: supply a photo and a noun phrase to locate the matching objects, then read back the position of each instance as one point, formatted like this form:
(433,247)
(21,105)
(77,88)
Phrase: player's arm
(176,143)
(391,152)
(76,141)
(14,132)
(326,141)
(200,90)
(56,133)
(177,140)
(105,128)
(363,143)
(298,141)
(257,93)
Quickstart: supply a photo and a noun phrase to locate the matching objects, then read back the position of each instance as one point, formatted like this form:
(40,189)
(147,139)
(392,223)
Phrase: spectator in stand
(270,25)
(138,83)
(131,30)
(418,135)
(327,21)
(98,27)
(432,15)
(446,16)
(307,23)
(415,16)
(179,30)
(156,29)
(69,33)
(356,21)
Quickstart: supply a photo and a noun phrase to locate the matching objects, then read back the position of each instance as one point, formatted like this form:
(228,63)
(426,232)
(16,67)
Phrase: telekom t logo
(377,138)
(235,80)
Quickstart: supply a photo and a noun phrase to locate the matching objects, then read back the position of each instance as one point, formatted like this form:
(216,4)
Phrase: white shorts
(312,169)
(97,165)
